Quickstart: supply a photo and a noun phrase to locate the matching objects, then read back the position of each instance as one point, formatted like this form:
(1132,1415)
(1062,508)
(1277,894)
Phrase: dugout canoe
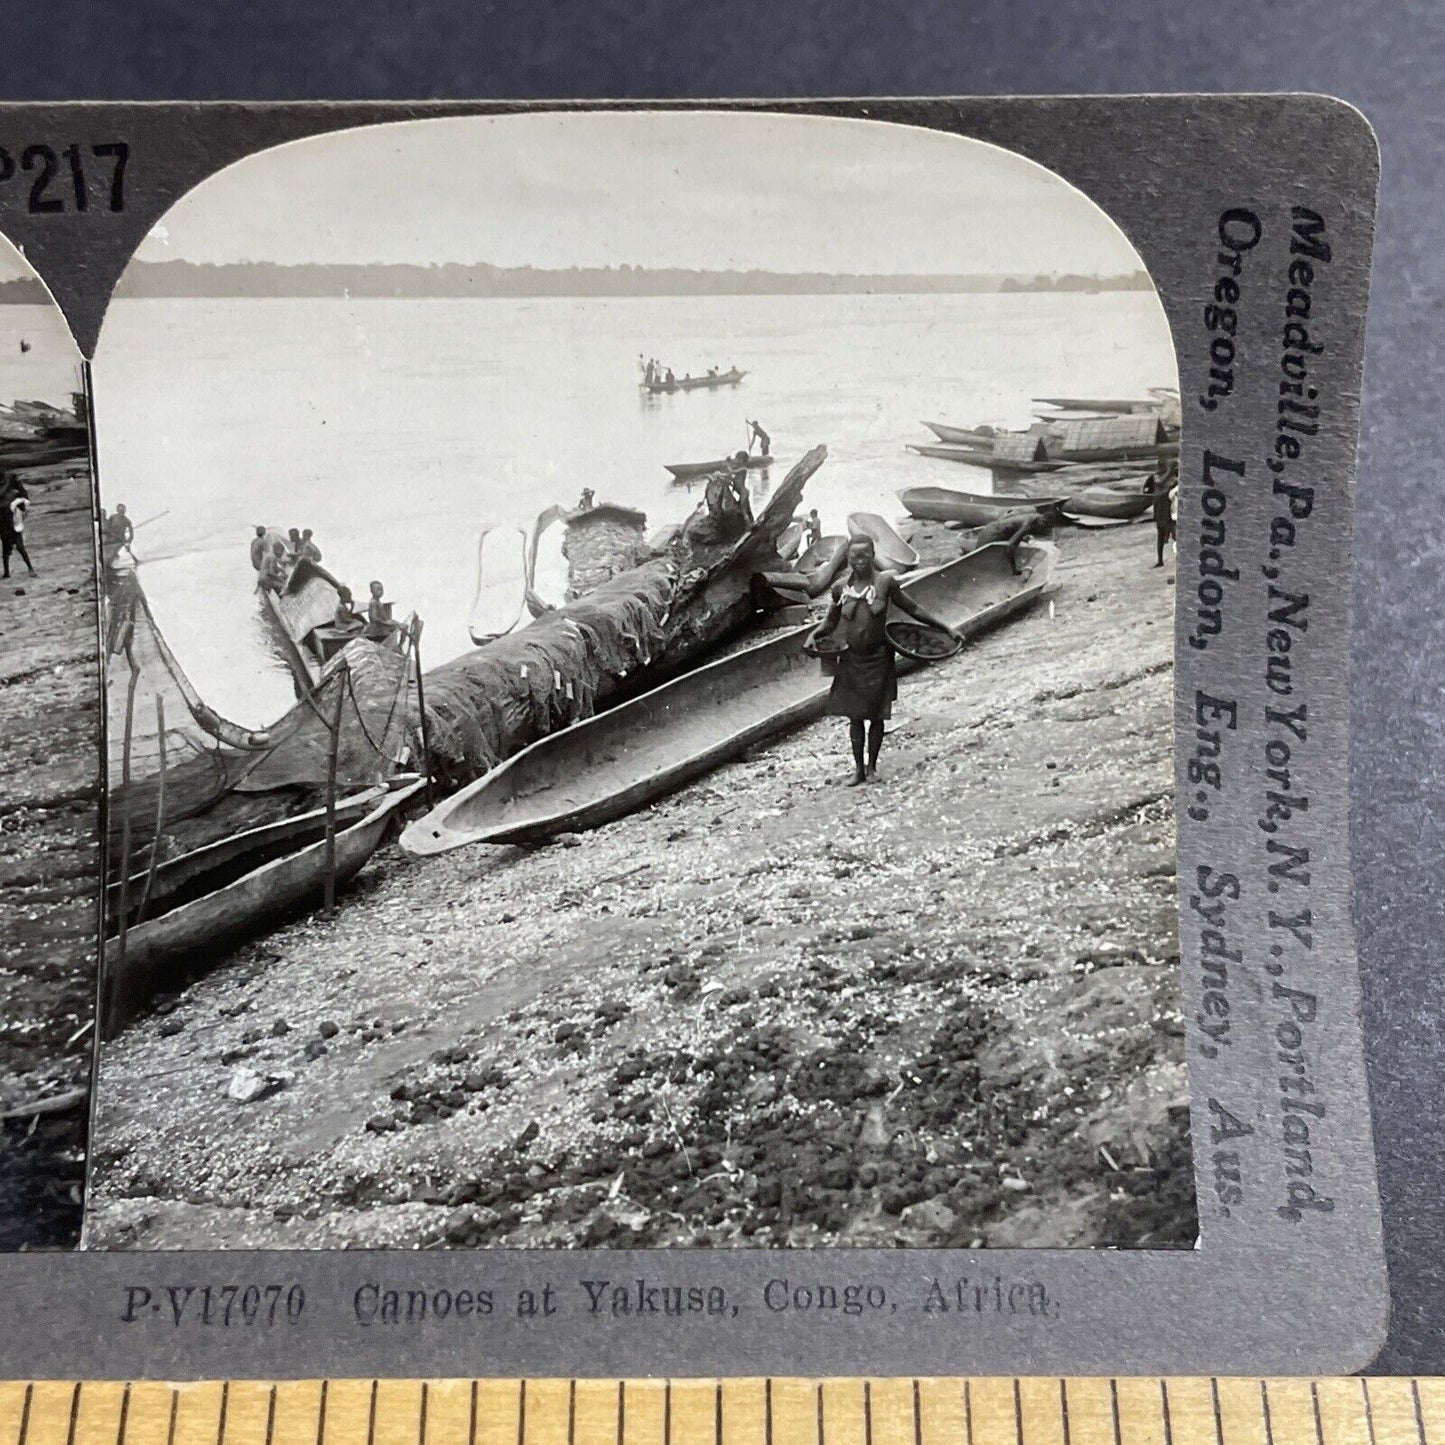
(982,437)
(1108,503)
(822,562)
(694,383)
(628,757)
(972,509)
(164,953)
(889,548)
(689,471)
(790,541)
(978,457)
(203,870)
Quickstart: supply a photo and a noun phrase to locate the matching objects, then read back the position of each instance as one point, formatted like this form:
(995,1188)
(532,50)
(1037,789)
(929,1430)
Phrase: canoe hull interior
(973,509)
(620,760)
(891,551)
(165,952)
(197,871)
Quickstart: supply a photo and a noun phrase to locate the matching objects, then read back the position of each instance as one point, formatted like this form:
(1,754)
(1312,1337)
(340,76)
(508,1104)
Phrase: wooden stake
(340,678)
(124,903)
(160,808)
(421,707)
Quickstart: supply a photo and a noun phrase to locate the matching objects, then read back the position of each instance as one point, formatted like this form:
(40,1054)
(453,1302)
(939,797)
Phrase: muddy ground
(50,754)
(942,1009)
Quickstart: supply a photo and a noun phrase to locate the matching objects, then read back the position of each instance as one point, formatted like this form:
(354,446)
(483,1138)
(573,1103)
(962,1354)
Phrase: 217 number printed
(101,165)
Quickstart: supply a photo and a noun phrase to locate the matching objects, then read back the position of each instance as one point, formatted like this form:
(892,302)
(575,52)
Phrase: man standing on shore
(14,504)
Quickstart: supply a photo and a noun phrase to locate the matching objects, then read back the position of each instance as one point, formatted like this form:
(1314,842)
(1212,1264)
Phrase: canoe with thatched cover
(634,632)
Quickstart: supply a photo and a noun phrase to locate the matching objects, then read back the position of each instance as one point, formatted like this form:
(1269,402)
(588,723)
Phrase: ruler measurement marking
(1019,1413)
(667,1413)
(371,1414)
(472,1419)
(820,1415)
(767,1411)
(968,1411)
(321,1416)
(1414,1394)
(1268,1418)
(867,1414)
(1164,1409)
(1218,1414)
(271,1417)
(421,1415)
(175,1410)
(221,1418)
(917,1415)
(1063,1411)
(1369,1409)
(572,1412)
(1114,1412)
(124,1415)
(717,1409)
(1315,1404)
(621,1410)
(74,1414)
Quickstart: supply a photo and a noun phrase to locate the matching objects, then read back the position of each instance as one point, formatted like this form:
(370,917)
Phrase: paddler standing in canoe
(866,682)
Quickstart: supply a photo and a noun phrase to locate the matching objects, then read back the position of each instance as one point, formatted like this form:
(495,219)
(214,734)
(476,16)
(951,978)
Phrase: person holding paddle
(866,682)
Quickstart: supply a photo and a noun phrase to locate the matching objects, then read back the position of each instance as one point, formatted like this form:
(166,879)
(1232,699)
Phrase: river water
(398,429)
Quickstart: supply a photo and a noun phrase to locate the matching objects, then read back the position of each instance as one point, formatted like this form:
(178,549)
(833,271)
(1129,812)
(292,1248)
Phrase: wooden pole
(340,677)
(160,808)
(124,903)
(421,707)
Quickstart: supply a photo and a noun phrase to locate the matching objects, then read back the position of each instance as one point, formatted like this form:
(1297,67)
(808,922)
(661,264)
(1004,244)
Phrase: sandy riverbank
(49,860)
(769,1010)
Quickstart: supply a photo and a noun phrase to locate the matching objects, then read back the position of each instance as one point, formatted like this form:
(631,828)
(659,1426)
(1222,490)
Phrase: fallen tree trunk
(628,635)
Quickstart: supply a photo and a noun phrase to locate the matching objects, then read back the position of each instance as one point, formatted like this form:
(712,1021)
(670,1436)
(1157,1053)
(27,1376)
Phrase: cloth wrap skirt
(866,682)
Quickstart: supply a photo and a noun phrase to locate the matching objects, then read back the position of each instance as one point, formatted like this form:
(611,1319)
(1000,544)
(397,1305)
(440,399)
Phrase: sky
(713,191)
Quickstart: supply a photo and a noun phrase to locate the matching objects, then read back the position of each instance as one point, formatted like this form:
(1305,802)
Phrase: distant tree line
(187,278)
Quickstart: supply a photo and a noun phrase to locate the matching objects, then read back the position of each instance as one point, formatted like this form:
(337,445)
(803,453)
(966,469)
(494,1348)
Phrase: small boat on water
(161,952)
(695,383)
(625,758)
(889,548)
(689,471)
(500,601)
(972,509)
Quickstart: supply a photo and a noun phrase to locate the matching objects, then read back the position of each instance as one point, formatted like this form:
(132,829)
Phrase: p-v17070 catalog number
(225,1305)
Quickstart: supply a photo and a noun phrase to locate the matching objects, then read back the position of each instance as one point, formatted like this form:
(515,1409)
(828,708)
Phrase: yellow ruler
(993,1411)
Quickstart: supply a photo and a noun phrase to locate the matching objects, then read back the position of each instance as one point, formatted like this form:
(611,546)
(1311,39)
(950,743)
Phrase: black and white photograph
(50,720)
(638,660)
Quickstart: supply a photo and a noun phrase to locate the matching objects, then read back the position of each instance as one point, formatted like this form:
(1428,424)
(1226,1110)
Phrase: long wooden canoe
(1115,405)
(982,437)
(628,757)
(695,383)
(165,952)
(500,601)
(889,548)
(686,471)
(973,509)
(1107,502)
(978,457)
(203,870)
